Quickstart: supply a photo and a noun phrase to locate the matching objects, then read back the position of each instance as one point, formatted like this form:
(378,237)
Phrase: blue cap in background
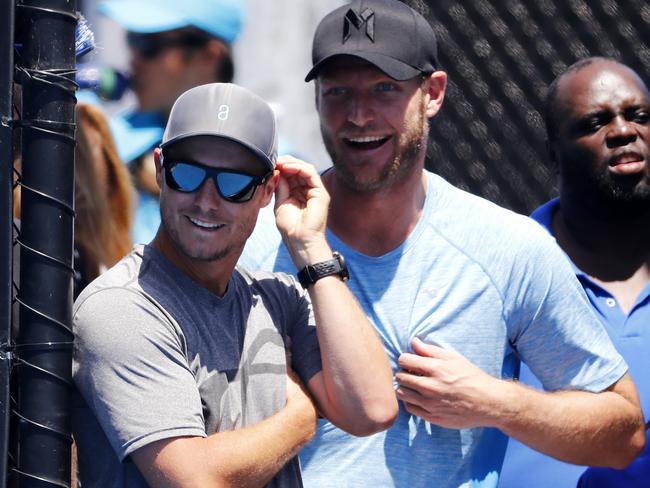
(136,133)
(220,18)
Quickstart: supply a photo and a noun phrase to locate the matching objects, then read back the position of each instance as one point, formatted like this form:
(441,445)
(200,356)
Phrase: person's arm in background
(245,457)
(580,427)
(354,389)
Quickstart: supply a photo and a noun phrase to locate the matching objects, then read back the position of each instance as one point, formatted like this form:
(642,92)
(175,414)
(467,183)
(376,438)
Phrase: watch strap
(311,273)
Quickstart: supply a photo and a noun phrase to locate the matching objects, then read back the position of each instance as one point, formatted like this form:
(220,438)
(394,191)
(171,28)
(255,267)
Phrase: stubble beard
(197,254)
(615,198)
(409,147)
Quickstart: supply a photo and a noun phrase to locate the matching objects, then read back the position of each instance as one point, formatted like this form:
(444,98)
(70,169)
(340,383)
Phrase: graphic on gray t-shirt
(158,356)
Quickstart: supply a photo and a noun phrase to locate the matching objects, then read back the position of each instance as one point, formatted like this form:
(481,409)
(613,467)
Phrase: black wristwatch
(311,273)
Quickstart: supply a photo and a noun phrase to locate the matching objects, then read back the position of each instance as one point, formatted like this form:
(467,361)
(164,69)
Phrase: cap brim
(394,68)
(142,16)
(132,141)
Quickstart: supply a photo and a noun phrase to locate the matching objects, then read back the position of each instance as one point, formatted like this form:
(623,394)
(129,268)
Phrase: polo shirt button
(610,302)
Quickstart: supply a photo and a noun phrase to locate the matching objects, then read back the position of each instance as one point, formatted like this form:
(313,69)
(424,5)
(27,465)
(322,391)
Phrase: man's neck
(597,228)
(614,252)
(374,223)
(213,276)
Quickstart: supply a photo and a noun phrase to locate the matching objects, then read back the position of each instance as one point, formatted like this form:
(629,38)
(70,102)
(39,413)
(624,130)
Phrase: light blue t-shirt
(631,335)
(474,278)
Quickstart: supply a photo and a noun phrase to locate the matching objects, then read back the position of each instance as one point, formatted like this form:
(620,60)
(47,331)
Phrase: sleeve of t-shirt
(129,365)
(305,351)
(551,324)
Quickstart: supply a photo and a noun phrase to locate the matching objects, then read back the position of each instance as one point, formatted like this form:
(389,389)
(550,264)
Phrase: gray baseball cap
(228,111)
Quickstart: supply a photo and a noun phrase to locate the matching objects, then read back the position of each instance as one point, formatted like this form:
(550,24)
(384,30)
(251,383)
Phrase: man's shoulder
(472,221)
(543,214)
(123,275)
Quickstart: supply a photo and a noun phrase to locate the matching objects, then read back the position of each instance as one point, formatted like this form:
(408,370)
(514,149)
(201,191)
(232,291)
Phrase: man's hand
(301,204)
(579,427)
(444,388)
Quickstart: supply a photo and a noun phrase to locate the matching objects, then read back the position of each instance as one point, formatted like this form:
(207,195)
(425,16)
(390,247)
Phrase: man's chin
(207,256)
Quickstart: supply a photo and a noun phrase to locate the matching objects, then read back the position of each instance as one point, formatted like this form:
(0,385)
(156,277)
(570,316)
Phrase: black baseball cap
(386,33)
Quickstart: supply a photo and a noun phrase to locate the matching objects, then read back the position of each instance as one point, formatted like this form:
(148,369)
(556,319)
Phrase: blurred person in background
(103,198)
(598,132)
(174,46)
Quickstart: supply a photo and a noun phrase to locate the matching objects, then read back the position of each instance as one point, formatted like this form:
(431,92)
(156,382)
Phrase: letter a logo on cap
(224,110)
(357,20)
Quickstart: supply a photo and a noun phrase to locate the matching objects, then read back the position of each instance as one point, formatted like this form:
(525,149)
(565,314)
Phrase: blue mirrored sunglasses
(233,186)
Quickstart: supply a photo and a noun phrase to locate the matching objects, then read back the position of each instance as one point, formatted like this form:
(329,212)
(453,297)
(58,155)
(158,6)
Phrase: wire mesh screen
(501,55)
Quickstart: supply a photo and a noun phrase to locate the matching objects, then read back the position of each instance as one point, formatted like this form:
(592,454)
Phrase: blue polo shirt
(631,336)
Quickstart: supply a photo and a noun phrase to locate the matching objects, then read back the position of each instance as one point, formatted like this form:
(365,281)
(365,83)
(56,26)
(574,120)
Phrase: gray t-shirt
(158,356)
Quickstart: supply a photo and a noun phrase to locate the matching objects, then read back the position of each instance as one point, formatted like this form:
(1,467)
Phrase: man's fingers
(305,171)
(423,349)
(418,411)
(282,191)
(413,381)
(416,364)
(406,394)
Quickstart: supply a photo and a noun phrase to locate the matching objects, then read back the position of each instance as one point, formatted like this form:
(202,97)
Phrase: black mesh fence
(500,56)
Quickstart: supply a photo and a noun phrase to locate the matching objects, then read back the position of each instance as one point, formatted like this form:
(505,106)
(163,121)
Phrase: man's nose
(207,196)
(360,111)
(621,132)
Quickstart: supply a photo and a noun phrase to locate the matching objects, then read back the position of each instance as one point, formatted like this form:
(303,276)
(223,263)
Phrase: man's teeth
(366,139)
(205,225)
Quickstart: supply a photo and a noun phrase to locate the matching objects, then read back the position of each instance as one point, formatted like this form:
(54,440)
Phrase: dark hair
(225,71)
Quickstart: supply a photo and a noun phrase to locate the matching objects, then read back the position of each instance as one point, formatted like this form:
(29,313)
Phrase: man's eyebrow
(596,114)
(637,106)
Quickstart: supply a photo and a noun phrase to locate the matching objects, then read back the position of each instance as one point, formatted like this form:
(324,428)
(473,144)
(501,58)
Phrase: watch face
(344,273)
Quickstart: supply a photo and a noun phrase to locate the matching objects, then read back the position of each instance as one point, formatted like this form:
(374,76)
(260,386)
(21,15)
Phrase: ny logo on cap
(357,20)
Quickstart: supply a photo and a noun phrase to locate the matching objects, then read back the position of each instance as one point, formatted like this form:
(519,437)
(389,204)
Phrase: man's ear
(269,188)
(159,170)
(436,86)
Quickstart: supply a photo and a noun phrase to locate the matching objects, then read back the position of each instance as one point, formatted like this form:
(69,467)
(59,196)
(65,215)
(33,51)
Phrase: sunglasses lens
(231,185)
(186,177)
(146,45)
(236,187)
(151,45)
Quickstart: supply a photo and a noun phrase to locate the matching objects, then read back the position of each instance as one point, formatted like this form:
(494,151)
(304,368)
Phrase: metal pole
(6,222)
(45,30)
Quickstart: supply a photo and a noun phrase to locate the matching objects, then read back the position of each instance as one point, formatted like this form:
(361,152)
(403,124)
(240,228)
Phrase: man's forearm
(595,429)
(356,380)
(245,457)
(354,389)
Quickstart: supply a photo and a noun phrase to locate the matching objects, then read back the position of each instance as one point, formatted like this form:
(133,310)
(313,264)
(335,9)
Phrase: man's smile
(205,225)
(365,143)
